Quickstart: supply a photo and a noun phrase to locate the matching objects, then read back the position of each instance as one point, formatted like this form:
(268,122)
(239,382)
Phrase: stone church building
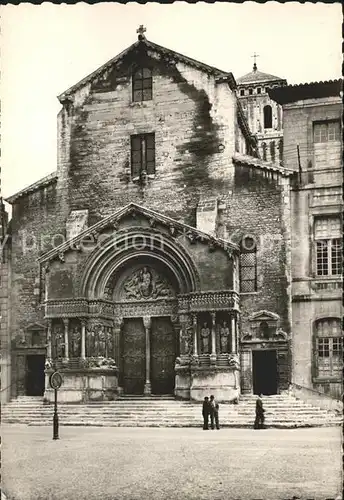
(156,259)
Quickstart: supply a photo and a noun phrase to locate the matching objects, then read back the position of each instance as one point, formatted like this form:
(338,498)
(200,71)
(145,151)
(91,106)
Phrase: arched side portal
(142,273)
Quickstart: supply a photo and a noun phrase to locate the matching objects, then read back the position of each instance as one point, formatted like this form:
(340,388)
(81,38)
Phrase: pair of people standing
(210,409)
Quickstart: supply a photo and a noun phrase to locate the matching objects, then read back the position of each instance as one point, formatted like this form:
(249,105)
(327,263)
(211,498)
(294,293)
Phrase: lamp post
(55,383)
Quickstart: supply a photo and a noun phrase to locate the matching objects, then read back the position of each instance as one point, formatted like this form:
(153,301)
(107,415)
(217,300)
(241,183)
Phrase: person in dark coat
(206,413)
(214,413)
(259,421)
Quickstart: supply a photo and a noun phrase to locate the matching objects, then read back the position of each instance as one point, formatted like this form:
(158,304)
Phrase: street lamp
(55,381)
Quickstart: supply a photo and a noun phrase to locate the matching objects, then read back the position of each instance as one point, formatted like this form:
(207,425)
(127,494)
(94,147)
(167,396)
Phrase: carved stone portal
(146,284)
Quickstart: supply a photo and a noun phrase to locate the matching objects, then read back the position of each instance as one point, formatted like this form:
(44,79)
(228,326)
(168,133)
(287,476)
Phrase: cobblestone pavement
(170,464)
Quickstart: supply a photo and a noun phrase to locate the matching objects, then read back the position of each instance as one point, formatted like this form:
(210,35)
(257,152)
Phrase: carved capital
(65,322)
(147,321)
(61,256)
(118,322)
(174,318)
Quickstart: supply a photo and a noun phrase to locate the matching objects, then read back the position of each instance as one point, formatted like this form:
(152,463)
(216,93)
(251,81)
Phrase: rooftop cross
(141,30)
(255,61)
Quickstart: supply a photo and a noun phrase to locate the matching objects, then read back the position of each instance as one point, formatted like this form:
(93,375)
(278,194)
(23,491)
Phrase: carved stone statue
(224,336)
(109,342)
(75,342)
(187,338)
(58,341)
(205,339)
(102,338)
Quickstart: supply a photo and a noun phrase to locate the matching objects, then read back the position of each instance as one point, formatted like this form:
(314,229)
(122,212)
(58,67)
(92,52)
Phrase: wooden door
(163,354)
(133,350)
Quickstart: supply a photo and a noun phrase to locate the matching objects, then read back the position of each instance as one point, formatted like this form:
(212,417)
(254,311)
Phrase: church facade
(156,259)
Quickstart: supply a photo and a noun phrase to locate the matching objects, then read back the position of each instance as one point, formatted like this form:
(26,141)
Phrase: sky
(45,49)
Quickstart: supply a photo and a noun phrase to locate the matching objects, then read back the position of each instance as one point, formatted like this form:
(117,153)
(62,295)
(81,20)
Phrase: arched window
(264,150)
(142,85)
(280,147)
(267,116)
(328,347)
(272,151)
(248,265)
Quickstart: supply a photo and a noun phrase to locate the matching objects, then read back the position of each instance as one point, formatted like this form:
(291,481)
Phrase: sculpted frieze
(146,284)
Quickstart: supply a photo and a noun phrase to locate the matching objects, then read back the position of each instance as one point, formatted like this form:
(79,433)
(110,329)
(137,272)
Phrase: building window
(264,151)
(327,144)
(242,92)
(248,266)
(267,116)
(142,85)
(327,131)
(328,242)
(259,90)
(250,91)
(142,154)
(272,151)
(328,347)
(280,148)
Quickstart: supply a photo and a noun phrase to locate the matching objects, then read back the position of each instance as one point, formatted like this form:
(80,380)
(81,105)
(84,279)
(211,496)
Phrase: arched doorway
(144,293)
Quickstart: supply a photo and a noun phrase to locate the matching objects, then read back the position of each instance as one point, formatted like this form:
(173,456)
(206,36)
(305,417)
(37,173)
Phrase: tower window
(248,266)
(142,85)
(259,90)
(250,91)
(267,116)
(142,154)
(242,92)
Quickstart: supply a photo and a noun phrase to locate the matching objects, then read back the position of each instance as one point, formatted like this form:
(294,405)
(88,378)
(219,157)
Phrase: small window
(142,154)
(142,85)
(272,151)
(242,92)
(250,91)
(259,90)
(267,116)
(264,148)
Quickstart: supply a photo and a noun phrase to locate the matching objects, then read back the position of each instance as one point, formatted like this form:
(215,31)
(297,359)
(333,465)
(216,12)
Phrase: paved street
(165,464)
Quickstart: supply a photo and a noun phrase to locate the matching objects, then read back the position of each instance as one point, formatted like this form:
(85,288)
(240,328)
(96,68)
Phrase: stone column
(233,333)
(213,339)
(195,339)
(83,338)
(147,323)
(116,339)
(66,339)
(49,350)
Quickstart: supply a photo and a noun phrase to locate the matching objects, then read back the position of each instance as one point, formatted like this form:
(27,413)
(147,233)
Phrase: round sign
(56,380)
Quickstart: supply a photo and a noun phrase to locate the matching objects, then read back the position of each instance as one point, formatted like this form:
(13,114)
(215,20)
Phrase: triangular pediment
(35,327)
(264,315)
(133,211)
(153,49)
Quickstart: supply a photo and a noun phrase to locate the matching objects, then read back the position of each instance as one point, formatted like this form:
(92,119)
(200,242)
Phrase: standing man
(205,413)
(259,421)
(214,413)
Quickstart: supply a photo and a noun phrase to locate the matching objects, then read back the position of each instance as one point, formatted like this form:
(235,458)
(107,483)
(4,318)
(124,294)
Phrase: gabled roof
(220,74)
(250,161)
(154,217)
(313,90)
(256,76)
(45,181)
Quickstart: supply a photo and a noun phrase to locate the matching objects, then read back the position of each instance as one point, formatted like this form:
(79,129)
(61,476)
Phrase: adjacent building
(312,115)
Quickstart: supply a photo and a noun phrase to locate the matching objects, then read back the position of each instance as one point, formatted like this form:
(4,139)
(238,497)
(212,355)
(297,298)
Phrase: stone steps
(280,411)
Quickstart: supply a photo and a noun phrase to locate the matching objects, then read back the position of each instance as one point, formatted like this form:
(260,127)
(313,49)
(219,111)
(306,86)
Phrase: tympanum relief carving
(146,284)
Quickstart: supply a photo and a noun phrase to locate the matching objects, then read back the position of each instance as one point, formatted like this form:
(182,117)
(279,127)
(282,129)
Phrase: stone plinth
(83,386)
(182,382)
(223,383)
